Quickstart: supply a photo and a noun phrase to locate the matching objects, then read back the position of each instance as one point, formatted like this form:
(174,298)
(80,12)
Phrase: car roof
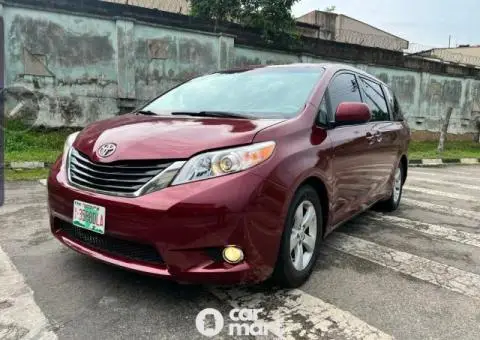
(327,66)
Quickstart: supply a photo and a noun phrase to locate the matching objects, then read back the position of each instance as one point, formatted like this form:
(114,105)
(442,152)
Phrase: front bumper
(187,225)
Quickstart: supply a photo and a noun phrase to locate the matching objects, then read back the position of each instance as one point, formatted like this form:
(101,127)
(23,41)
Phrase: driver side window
(343,88)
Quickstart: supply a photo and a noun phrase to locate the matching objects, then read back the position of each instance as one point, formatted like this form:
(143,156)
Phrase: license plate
(89,216)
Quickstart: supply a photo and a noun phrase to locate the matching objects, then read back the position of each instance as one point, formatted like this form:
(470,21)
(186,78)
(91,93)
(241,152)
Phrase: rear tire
(392,203)
(300,240)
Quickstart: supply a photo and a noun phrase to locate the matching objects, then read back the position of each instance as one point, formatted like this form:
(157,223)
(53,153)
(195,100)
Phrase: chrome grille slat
(117,168)
(76,163)
(103,187)
(123,178)
(95,179)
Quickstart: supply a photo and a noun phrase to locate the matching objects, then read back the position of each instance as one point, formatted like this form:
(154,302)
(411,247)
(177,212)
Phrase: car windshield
(271,92)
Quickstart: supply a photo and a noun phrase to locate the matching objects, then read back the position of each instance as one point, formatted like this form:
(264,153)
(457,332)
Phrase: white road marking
(430,229)
(421,268)
(449,171)
(20,316)
(441,193)
(445,210)
(434,181)
(43,182)
(446,175)
(301,315)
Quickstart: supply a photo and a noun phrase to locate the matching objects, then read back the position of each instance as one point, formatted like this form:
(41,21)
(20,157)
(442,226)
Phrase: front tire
(301,238)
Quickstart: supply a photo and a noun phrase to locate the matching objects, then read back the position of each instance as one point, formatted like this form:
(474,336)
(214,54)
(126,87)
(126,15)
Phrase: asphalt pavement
(411,274)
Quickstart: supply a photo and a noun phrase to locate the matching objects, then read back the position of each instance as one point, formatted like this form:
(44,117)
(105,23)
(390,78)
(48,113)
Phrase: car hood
(166,137)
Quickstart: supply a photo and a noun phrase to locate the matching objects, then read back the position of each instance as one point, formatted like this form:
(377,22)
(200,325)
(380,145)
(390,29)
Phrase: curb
(427,162)
(28,165)
(440,162)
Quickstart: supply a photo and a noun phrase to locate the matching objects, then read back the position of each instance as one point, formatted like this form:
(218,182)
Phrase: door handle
(370,138)
(375,137)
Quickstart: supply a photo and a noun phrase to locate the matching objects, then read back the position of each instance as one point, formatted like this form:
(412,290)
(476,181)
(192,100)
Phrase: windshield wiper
(214,114)
(146,113)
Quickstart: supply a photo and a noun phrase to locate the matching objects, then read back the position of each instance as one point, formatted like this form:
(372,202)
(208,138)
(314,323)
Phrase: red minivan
(232,177)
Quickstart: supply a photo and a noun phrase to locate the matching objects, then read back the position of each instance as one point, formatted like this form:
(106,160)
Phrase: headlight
(68,144)
(224,162)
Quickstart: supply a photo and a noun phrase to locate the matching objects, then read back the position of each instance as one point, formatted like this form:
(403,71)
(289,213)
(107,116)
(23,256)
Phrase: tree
(273,17)
(220,10)
(330,9)
(444,130)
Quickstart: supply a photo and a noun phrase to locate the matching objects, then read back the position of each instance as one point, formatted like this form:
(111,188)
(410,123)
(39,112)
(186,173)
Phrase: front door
(350,163)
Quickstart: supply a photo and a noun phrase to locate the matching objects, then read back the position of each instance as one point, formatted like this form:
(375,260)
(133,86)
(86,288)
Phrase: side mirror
(352,113)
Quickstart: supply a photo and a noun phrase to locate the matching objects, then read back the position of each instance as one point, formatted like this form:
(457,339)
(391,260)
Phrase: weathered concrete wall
(424,97)
(74,69)
(66,63)
(165,57)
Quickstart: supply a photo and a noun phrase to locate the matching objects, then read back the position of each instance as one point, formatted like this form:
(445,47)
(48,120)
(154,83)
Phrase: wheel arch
(321,188)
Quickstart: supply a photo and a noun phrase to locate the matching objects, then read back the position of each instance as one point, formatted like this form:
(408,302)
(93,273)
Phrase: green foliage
(220,10)
(330,9)
(453,150)
(35,144)
(25,175)
(273,17)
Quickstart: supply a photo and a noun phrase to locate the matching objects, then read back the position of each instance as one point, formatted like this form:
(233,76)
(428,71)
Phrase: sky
(423,22)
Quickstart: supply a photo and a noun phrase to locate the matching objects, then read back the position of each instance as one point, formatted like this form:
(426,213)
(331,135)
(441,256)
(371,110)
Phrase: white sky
(425,22)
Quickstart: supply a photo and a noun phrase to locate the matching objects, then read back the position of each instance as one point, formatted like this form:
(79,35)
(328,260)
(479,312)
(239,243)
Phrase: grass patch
(453,150)
(25,175)
(36,144)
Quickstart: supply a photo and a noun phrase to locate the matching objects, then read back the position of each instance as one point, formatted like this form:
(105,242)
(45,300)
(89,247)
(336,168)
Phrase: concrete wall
(174,6)
(465,55)
(424,97)
(74,69)
(324,22)
(343,28)
(67,63)
(352,31)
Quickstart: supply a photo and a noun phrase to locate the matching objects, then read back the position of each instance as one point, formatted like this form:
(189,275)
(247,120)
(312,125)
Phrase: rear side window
(375,99)
(343,88)
(395,105)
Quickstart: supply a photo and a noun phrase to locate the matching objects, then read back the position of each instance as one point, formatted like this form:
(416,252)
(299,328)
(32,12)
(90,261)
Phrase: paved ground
(413,274)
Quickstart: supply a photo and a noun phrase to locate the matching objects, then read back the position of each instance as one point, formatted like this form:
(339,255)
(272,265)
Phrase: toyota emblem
(106,150)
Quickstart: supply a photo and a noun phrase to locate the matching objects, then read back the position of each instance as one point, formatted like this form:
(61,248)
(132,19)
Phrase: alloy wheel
(303,236)
(397,185)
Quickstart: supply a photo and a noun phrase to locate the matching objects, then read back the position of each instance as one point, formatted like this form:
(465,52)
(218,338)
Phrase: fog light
(233,254)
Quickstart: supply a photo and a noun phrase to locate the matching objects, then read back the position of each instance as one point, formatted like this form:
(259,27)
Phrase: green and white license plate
(89,216)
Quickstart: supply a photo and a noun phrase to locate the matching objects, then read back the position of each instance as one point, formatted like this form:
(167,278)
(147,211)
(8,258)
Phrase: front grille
(124,178)
(115,246)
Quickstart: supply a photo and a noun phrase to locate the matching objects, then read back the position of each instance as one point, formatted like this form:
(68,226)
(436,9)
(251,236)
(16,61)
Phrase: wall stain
(242,61)
(448,91)
(61,46)
(404,88)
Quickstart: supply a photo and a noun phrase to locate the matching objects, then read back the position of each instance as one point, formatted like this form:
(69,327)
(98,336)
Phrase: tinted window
(343,88)
(263,92)
(394,104)
(375,99)
(323,116)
